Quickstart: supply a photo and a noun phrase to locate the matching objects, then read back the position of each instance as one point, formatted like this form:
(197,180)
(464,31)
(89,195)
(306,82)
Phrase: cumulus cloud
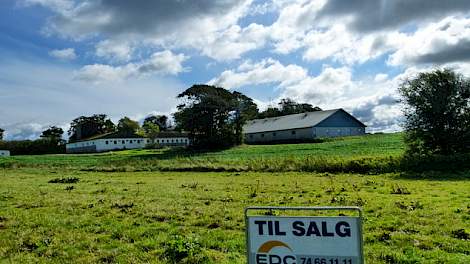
(63,54)
(206,25)
(114,50)
(265,71)
(438,43)
(160,63)
(372,15)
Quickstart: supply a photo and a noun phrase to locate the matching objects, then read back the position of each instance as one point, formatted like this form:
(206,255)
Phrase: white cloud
(438,43)
(324,89)
(114,50)
(266,71)
(63,54)
(160,63)
(35,95)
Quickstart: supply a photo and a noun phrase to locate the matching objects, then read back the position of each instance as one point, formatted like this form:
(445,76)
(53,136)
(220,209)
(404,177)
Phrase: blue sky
(64,58)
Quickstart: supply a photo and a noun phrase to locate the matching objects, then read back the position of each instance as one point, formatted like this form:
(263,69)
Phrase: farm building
(113,141)
(303,127)
(4,153)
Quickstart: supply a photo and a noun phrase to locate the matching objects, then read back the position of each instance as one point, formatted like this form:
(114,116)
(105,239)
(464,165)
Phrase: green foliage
(54,134)
(184,249)
(88,126)
(1,133)
(127,126)
(213,116)
(437,113)
(33,147)
(151,130)
(160,120)
(287,106)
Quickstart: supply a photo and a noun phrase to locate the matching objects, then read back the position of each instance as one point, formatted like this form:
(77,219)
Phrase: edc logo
(266,256)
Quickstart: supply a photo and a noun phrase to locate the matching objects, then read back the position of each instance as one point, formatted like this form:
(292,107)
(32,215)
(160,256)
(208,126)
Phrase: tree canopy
(1,133)
(53,133)
(213,116)
(437,112)
(88,126)
(287,106)
(127,126)
(160,120)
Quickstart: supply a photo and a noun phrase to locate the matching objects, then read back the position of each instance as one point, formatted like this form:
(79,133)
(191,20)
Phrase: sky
(60,59)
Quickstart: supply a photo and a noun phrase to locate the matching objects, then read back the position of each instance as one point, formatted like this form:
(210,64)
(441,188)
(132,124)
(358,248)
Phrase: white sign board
(304,240)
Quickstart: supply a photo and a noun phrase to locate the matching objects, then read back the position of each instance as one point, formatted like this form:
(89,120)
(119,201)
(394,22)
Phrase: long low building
(4,153)
(303,127)
(112,141)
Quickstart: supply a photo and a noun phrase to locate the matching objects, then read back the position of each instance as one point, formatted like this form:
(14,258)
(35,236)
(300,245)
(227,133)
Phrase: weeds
(180,249)
(65,180)
(397,189)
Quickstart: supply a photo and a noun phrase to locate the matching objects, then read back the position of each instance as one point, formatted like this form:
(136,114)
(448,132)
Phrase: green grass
(153,206)
(151,217)
(371,150)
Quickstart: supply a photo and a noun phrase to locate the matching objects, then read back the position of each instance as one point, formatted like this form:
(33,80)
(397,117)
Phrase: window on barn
(274,134)
(123,142)
(293,132)
(106,142)
(115,142)
(251,136)
(262,135)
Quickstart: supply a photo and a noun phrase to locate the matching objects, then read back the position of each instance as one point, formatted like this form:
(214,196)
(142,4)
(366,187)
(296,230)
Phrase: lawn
(379,148)
(174,206)
(175,217)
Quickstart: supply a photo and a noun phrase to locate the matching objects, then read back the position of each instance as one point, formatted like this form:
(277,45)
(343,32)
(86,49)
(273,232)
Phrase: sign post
(304,239)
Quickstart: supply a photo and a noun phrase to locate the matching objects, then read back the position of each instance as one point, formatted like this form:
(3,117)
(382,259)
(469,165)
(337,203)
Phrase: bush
(33,147)
(180,249)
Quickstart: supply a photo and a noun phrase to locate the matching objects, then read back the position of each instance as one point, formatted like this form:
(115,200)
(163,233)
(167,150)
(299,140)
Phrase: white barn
(111,141)
(4,153)
(303,127)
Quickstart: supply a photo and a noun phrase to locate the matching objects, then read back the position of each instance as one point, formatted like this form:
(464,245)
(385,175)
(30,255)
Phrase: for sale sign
(304,240)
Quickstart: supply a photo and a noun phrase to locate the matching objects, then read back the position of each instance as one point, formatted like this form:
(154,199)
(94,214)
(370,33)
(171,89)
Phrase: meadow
(106,208)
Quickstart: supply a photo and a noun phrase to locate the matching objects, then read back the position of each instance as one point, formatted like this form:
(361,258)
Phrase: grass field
(368,150)
(72,208)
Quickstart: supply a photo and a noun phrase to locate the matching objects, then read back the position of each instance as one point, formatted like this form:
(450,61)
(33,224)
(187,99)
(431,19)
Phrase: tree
(160,120)
(127,126)
(437,112)
(1,133)
(288,106)
(88,126)
(151,131)
(53,133)
(213,116)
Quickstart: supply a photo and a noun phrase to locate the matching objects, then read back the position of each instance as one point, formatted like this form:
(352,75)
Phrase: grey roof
(302,120)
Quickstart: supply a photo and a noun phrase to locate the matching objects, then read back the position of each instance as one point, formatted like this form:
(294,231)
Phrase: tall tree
(245,109)
(151,131)
(88,126)
(288,106)
(212,115)
(127,126)
(53,133)
(437,112)
(160,120)
(1,133)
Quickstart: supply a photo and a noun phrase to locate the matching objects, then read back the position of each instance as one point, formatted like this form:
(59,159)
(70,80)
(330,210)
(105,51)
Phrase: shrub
(181,249)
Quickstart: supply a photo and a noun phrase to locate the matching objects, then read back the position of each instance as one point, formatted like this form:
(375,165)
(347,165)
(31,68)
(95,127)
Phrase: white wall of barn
(100,145)
(4,153)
